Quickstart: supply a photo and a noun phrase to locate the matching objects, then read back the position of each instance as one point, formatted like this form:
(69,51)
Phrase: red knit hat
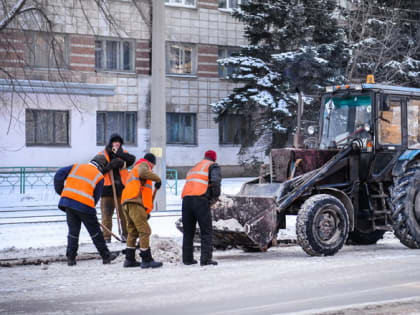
(210,154)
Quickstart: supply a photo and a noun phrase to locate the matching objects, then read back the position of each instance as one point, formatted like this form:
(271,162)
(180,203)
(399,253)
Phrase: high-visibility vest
(136,187)
(81,182)
(197,180)
(123,171)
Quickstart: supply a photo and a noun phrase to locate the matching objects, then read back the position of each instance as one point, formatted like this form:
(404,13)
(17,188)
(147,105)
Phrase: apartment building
(96,81)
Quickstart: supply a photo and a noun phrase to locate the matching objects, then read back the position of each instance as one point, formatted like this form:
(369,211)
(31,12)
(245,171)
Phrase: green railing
(172,180)
(30,177)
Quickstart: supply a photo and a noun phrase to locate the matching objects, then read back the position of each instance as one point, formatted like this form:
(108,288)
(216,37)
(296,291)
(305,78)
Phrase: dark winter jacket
(128,158)
(215,179)
(65,202)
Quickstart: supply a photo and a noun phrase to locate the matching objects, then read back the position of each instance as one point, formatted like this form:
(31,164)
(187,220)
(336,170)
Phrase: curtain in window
(111,55)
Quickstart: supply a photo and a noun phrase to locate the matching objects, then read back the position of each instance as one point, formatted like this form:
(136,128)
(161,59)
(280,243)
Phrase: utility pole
(158,98)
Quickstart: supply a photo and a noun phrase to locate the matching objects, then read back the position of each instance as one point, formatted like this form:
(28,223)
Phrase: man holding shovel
(115,176)
(137,200)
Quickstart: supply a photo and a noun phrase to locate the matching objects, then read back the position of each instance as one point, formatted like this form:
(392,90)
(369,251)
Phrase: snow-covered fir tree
(385,39)
(294,45)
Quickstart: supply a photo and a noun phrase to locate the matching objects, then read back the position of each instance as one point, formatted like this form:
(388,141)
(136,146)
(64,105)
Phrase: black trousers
(90,221)
(196,209)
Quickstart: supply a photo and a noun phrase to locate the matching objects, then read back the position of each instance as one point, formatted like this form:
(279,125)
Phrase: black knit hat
(115,137)
(100,161)
(150,157)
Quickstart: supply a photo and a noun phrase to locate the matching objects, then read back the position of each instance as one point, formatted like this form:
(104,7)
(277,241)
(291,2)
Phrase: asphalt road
(283,280)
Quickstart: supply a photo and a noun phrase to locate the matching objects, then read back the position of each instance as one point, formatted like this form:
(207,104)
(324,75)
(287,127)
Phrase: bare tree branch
(11,15)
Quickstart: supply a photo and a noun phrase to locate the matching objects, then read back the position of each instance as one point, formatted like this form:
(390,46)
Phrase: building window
(231,129)
(184,3)
(47,127)
(114,55)
(181,128)
(231,4)
(46,50)
(226,71)
(180,58)
(123,123)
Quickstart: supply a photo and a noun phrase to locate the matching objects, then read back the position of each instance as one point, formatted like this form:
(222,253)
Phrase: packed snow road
(282,280)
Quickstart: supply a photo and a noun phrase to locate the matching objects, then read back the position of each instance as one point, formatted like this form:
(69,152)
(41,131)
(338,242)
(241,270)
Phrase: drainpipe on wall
(158,98)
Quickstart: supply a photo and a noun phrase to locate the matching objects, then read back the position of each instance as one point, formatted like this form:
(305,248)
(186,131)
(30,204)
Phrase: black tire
(364,238)
(405,209)
(322,225)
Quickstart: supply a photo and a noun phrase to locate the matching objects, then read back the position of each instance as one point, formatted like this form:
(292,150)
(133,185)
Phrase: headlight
(311,130)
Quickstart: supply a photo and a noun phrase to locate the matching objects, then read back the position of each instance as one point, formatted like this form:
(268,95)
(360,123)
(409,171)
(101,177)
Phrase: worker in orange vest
(201,189)
(137,200)
(118,159)
(80,187)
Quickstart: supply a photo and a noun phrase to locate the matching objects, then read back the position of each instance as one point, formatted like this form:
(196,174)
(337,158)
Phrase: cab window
(413,115)
(389,122)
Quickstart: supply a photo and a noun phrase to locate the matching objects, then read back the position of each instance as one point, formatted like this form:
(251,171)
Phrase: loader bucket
(247,220)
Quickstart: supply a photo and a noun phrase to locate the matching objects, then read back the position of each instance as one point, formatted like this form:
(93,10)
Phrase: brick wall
(143,57)
(208,4)
(207,61)
(82,53)
(12,52)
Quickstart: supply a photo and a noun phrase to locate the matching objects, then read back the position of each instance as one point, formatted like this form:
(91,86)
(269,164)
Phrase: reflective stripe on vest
(91,182)
(123,172)
(134,188)
(197,180)
(81,182)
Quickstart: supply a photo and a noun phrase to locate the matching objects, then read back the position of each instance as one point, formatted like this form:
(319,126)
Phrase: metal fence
(30,177)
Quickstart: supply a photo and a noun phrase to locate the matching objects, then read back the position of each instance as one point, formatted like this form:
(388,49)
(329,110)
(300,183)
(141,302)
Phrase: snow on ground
(40,235)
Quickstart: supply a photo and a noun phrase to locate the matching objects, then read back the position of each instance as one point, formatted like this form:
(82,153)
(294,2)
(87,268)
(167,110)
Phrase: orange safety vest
(197,180)
(136,186)
(81,182)
(123,171)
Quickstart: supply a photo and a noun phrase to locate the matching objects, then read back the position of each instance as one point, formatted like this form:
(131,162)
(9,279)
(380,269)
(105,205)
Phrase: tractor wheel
(405,198)
(358,237)
(322,225)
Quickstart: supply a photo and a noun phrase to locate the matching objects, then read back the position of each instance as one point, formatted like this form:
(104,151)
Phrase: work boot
(147,260)
(208,262)
(190,262)
(130,260)
(71,261)
(107,257)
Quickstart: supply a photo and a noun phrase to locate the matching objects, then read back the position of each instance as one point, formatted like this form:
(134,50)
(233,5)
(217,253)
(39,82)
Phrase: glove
(158,184)
(116,164)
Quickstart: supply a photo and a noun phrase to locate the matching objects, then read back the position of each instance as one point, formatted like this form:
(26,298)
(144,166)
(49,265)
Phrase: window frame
(193,47)
(168,127)
(31,38)
(380,123)
(171,3)
(225,72)
(223,121)
(54,143)
(417,144)
(228,6)
(120,54)
(123,128)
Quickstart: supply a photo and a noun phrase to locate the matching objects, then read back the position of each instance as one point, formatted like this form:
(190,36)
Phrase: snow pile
(165,250)
(223,202)
(230,225)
